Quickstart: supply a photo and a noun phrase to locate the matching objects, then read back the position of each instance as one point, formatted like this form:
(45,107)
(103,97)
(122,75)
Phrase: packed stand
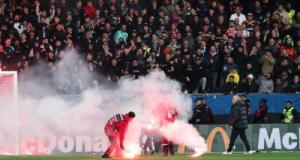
(208,46)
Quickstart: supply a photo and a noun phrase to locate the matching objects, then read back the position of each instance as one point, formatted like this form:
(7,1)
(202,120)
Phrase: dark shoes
(105,155)
(168,149)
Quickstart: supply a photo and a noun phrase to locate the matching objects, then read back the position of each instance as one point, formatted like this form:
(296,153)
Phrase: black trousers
(234,134)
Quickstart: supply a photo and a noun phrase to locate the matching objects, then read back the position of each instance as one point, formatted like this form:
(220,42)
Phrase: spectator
(250,23)
(289,113)
(234,73)
(284,67)
(295,87)
(282,13)
(114,71)
(202,114)
(241,59)
(283,84)
(121,35)
(249,86)
(200,75)
(238,16)
(228,67)
(262,112)
(297,70)
(42,15)
(291,12)
(214,61)
(296,23)
(188,73)
(190,32)
(231,86)
(231,30)
(136,70)
(250,69)
(287,49)
(90,10)
(268,63)
(266,84)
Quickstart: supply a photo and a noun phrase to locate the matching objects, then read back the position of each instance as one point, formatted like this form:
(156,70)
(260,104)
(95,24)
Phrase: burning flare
(132,151)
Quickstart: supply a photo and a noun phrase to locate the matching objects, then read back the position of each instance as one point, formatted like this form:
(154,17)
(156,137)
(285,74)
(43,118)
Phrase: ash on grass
(211,156)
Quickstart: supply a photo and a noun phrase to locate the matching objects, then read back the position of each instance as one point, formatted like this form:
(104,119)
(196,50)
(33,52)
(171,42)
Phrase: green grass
(211,156)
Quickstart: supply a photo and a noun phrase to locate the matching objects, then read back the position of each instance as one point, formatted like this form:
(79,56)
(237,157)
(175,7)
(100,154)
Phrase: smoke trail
(48,119)
(190,137)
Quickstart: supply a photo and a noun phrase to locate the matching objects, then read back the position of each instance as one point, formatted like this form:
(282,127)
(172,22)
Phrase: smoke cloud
(50,123)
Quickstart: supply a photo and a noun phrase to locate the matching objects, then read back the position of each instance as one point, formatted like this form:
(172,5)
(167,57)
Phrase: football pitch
(211,156)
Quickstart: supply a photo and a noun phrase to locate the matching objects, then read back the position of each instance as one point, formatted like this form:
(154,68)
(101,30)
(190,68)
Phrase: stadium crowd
(209,46)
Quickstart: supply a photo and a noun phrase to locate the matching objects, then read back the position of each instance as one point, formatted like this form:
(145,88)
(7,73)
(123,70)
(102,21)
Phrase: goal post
(9,109)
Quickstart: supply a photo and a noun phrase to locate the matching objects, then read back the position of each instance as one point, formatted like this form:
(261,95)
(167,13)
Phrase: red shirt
(165,115)
(120,123)
(290,51)
(90,11)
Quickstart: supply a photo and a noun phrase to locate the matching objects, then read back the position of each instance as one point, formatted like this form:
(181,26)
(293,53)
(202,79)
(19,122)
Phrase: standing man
(169,116)
(115,130)
(247,105)
(262,112)
(289,113)
(148,143)
(238,121)
(202,113)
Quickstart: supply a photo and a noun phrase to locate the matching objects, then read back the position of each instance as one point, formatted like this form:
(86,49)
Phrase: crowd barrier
(221,104)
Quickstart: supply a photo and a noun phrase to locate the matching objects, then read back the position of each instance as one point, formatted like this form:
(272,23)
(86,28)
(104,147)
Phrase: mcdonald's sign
(263,137)
(210,139)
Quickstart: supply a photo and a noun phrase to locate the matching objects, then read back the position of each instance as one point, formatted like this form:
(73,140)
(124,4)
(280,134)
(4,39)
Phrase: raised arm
(272,60)
(52,11)
(37,11)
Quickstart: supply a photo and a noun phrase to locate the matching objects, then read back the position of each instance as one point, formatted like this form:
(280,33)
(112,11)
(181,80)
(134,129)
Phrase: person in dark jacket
(261,113)
(200,75)
(238,121)
(136,70)
(202,113)
(249,85)
(295,87)
(283,83)
(213,68)
(114,71)
(247,104)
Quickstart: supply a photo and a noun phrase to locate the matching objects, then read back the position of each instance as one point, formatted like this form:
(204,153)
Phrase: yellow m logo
(212,135)
(210,140)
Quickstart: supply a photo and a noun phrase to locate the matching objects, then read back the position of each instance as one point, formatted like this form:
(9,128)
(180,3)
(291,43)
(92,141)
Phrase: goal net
(9,134)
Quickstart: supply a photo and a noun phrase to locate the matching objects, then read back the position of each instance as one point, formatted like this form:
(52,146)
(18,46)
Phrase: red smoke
(161,99)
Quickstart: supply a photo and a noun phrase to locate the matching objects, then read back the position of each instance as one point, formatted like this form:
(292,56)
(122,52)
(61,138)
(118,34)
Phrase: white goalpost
(9,128)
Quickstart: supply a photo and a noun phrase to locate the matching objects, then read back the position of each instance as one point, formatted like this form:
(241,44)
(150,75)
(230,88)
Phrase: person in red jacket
(287,49)
(90,10)
(169,117)
(262,112)
(115,130)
